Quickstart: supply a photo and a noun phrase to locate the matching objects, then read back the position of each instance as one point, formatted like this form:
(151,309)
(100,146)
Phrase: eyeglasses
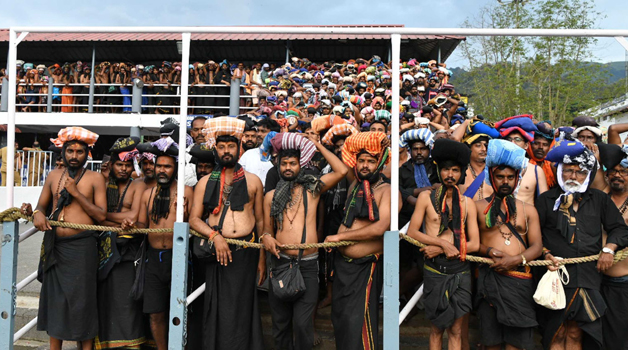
(579,173)
(622,172)
(514,139)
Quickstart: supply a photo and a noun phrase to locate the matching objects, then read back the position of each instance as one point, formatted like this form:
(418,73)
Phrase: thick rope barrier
(13,214)
(619,256)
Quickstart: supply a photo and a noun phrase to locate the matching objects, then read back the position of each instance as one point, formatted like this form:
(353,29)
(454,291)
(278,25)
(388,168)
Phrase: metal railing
(138,98)
(32,167)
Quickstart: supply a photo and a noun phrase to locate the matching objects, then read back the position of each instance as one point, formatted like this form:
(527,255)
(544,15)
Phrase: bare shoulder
(482,203)
(94,176)
(188,191)
(252,178)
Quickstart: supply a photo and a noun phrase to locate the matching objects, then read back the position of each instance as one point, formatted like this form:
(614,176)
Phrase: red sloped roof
(4,35)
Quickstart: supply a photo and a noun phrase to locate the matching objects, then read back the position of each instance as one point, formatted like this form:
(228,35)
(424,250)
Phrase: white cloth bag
(550,292)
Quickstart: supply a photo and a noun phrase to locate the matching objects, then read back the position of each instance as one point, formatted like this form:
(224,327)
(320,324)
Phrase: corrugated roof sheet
(4,35)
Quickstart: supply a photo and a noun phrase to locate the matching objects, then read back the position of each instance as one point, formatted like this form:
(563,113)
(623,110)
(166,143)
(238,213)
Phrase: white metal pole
(411,303)
(183,114)
(394,134)
(11,117)
(338,30)
(25,329)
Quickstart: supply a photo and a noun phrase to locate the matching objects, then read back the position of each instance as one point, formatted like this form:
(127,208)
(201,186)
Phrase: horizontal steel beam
(337,30)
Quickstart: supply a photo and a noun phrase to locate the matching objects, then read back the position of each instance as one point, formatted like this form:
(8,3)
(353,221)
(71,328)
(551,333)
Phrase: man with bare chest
(157,209)
(290,218)
(615,280)
(121,321)
(69,261)
(358,273)
(231,200)
(451,232)
(510,235)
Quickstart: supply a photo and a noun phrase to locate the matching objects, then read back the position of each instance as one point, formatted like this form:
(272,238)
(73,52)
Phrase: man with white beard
(572,216)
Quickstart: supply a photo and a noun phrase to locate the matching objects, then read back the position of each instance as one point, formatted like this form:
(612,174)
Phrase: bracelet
(262,236)
(524,262)
(213,235)
(35,212)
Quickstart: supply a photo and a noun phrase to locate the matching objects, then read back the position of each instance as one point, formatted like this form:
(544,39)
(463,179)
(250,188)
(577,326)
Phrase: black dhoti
(293,322)
(446,291)
(615,320)
(121,320)
(586,307)
(231,315)
(67,302)
(355,301)
(505,307)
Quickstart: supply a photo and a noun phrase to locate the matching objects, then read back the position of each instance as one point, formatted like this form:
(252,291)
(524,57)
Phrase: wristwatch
(608,250)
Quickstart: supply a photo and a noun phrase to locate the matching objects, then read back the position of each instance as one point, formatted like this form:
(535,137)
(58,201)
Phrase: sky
(273,12)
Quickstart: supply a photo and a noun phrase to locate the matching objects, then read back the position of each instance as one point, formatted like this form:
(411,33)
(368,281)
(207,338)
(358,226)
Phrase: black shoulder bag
(286,280)
(204,249)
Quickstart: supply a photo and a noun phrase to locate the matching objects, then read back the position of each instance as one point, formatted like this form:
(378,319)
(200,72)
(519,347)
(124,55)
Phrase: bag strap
(304,223)
(512,229)
(225,206)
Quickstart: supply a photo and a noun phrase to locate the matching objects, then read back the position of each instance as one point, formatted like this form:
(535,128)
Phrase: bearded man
(231,200)
(69,261)
(121,321)
(158,210)
(358,273)
(287,220)
(451,232)
(572,216)
(510,235)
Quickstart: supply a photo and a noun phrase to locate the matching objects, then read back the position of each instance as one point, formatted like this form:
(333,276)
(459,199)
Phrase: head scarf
(448,150)
(338,130)
(215,188)
(502,153)
(361,202)
(569,151)
(425,135)
(75,133)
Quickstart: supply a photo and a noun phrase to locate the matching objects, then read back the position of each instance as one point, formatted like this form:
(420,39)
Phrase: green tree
(546,76)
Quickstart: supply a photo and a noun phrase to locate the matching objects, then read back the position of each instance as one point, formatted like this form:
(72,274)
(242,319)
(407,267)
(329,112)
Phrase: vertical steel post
(438,53)
(4,95)
(287,51)
(234,97)
(11,117)
(135,131)
(92,81)
(51,86)
(8,291)
(391,238)
(177,321)
(136,98)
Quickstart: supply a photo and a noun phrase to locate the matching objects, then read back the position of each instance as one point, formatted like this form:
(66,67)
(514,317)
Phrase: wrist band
(262,236)
(35,212)
(524,262)
(213,235)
